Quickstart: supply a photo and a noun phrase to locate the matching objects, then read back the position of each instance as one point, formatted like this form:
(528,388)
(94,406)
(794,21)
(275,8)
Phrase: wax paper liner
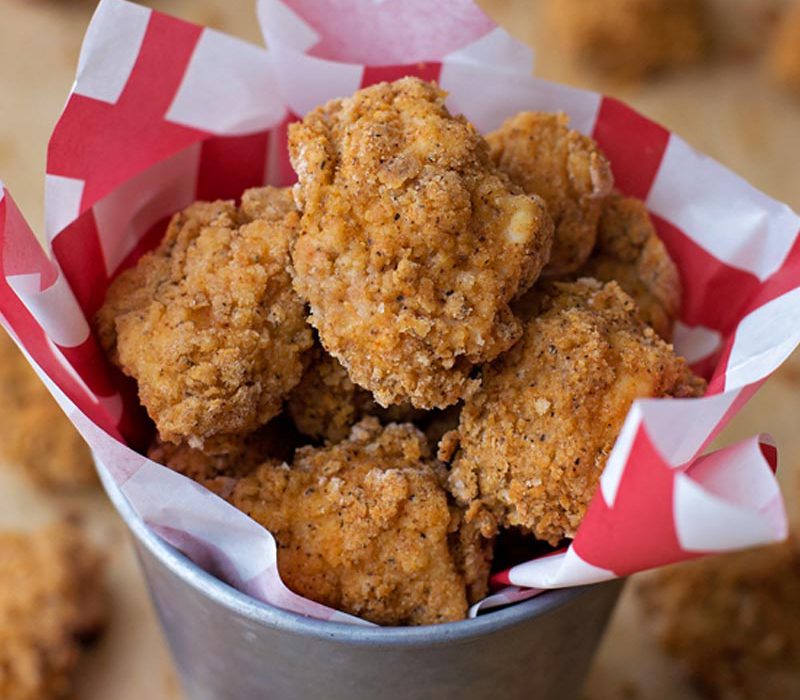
(164,112)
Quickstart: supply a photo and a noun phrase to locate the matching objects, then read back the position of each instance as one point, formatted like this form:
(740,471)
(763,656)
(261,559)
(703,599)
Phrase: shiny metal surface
(228,646)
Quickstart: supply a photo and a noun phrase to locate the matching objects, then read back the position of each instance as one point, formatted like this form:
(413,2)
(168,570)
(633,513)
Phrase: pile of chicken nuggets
(432,337)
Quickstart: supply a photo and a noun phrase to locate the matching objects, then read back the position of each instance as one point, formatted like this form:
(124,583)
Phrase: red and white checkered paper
(164,112)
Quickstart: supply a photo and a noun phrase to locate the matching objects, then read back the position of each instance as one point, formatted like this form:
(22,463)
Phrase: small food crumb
(541,406)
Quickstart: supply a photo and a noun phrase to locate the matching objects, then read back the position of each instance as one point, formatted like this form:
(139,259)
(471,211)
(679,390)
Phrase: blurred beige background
(727,108)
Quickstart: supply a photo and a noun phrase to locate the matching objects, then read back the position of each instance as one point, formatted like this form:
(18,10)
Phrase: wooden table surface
(727,108)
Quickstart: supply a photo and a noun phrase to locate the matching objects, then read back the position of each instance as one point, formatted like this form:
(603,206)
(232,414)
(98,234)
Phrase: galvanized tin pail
(228,646)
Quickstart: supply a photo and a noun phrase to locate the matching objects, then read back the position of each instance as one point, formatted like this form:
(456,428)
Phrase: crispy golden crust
(532,442)
(732,621)
(208,323)
(34,432)
(628,40)
(412,244)
(541,154)
(363,526)
(471,541)
(784,53)
(277,440)
(326,404)
(630,252)
(52,600)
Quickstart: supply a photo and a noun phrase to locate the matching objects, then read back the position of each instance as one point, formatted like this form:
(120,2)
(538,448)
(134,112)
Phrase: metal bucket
(228,646)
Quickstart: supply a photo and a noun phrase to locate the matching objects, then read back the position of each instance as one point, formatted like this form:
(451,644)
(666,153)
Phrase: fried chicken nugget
(472,539)
(541,154)
(34,432)
(52,602)
(630,252)
(275,440)
(784,52)
(364,526)
(628,40)
(732,620)
(208,323)
(412,244)
(532,442)
(326,404)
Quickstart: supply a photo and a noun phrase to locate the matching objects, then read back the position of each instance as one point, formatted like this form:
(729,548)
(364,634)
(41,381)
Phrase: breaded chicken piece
(784,52)
(531,444)
(732,620)
(630,252)
(277,440)
(628,40)
(52,602)
(34,432)
(326,404)
(208,323)
(472,540)
(364,526)
(542,155)
(412,244)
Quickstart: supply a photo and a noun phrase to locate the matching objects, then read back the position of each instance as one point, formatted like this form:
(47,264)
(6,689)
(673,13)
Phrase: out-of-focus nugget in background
(733,621)
(52,604)
(35,435)
(629,40)
(784,56)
